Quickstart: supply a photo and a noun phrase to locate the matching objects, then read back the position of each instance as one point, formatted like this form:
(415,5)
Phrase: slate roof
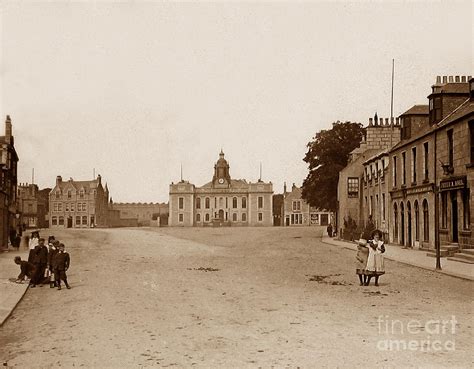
(417,110)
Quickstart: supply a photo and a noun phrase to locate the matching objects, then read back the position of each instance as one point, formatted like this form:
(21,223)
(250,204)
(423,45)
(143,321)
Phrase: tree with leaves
(327,155)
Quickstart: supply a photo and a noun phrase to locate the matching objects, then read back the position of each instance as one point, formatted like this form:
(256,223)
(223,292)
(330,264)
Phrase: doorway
(409,224)
(402,224)
(221,215)
(69,222)
(454,216)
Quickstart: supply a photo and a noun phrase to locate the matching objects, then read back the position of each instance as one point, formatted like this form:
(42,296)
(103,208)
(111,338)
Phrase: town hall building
(223,201)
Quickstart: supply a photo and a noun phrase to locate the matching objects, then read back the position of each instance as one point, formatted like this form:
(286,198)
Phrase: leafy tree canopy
(327,155)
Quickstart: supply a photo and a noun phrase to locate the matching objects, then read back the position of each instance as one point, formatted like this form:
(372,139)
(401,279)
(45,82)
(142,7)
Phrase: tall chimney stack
(8,130)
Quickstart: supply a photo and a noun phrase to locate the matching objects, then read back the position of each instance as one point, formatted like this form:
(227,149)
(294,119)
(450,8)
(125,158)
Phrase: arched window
(234,203)
(426,222)
(207,217)
(208,204)
(198,203)
(244,202)
(417,221)
(234,217)
(395,221)
(198,217)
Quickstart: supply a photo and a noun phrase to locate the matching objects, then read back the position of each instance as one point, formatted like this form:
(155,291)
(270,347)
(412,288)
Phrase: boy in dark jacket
(61,265)
(53,250)
(40,261)
(26,269)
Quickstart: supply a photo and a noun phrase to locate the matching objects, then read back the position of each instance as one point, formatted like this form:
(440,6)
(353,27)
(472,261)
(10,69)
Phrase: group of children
(45,264)
(370,259)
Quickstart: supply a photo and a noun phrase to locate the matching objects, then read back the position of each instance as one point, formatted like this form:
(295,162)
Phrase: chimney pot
(445,79)
(386,122)
(371,122)
(456,79)
(451,79)
(381,121)
(463,78)
(438,80)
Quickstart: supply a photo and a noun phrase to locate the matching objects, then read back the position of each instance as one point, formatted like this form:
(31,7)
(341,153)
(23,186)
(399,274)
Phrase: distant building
(28,205)
(278,210)
(221,202)
(146,214)
(297,212)
(43,208)
(8,184)
(78,204)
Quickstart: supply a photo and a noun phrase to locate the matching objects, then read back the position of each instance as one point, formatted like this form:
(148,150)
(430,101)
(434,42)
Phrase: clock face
(221,180)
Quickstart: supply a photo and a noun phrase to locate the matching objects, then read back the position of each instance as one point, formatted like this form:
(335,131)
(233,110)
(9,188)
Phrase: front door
(221,215)
(69,222)
(324,219)
(408,225)
(454,215)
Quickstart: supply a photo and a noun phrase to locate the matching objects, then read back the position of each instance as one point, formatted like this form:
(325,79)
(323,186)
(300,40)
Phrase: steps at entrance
(443,253)
(449,249)
(463,257)
(468,251)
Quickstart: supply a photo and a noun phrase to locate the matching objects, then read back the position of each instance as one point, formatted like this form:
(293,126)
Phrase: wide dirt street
(235,298)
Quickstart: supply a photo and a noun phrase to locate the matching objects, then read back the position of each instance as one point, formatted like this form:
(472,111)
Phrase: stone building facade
(297,212)
(412,179)
(452,113)
(375,191)
(146,214)
(78,204)
(381,134)
(28,205)
(221,202)
(8,184)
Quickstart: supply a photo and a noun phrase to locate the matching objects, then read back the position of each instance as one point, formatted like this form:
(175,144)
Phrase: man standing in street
(61,265)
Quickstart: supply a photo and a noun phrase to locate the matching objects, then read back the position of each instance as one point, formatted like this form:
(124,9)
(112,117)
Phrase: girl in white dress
(375,261)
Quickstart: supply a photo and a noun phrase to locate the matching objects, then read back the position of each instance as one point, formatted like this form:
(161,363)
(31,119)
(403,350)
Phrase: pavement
(11,293)
(416,258)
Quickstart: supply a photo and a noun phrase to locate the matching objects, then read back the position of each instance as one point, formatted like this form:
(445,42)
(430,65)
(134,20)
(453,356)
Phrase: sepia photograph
(236,184)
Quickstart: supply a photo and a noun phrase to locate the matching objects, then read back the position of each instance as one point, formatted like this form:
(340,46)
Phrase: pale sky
(134,89)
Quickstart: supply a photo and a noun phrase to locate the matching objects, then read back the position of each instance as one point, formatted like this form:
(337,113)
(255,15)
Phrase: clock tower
(221,176)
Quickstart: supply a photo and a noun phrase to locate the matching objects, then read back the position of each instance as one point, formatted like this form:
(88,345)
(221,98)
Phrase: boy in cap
(61,265)
(53,250)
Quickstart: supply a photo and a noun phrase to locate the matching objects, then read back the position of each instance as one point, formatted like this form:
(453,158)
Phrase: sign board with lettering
(452,184)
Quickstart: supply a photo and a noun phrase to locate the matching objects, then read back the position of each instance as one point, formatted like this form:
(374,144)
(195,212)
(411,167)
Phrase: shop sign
(421,189)
(452,184)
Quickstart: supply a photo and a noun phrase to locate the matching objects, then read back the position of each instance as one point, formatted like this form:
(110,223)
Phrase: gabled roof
(78,185)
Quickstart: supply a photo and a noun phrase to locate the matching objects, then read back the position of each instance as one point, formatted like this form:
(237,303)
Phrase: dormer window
(58,194)
(81,194)
(69,194)
(435,109)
